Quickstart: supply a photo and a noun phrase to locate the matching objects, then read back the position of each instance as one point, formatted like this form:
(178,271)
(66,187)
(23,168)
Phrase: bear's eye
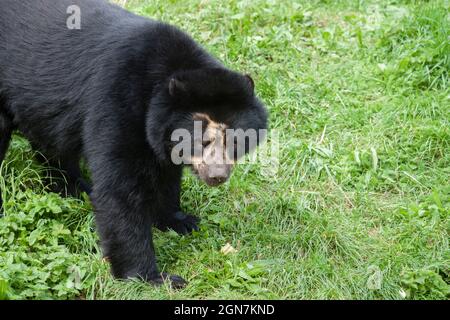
(206,143)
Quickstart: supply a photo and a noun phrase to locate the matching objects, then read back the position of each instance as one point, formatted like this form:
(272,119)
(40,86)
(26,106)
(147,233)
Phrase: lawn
(358,92)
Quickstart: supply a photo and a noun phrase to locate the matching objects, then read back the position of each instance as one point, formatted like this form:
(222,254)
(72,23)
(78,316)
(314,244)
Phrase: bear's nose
(219,180)
(218,174)
(213,182)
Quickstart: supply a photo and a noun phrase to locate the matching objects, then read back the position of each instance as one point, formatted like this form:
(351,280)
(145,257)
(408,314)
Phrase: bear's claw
(176,282)
(181,223)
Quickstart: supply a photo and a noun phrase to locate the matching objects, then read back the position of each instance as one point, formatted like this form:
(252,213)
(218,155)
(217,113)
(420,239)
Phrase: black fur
(111,93)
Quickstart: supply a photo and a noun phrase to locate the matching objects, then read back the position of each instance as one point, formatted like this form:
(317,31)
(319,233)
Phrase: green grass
(359,209)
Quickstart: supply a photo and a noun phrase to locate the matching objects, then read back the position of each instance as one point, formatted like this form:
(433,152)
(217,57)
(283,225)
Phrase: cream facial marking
(214,165)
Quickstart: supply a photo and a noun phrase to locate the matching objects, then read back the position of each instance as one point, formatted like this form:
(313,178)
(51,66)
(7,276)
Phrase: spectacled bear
(111,92)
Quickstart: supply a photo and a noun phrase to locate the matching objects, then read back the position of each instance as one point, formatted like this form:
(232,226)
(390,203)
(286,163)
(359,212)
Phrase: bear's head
(206,119)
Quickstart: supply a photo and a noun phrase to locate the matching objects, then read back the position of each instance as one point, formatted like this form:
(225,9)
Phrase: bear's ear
(250,82)
(176,86)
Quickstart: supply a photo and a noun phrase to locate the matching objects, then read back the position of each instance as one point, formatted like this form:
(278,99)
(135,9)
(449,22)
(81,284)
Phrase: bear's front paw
(181,223)
(176,282)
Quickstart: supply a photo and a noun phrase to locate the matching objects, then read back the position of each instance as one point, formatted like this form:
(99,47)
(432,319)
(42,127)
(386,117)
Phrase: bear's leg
(126,196)
(125,232)
(6,129)
(75,178)
(175,219)
(65,176)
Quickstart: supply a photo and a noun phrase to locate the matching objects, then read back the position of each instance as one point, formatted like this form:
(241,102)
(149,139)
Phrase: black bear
(111,88)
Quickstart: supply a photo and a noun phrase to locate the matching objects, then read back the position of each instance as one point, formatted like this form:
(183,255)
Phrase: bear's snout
(215,174)
(218,174)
